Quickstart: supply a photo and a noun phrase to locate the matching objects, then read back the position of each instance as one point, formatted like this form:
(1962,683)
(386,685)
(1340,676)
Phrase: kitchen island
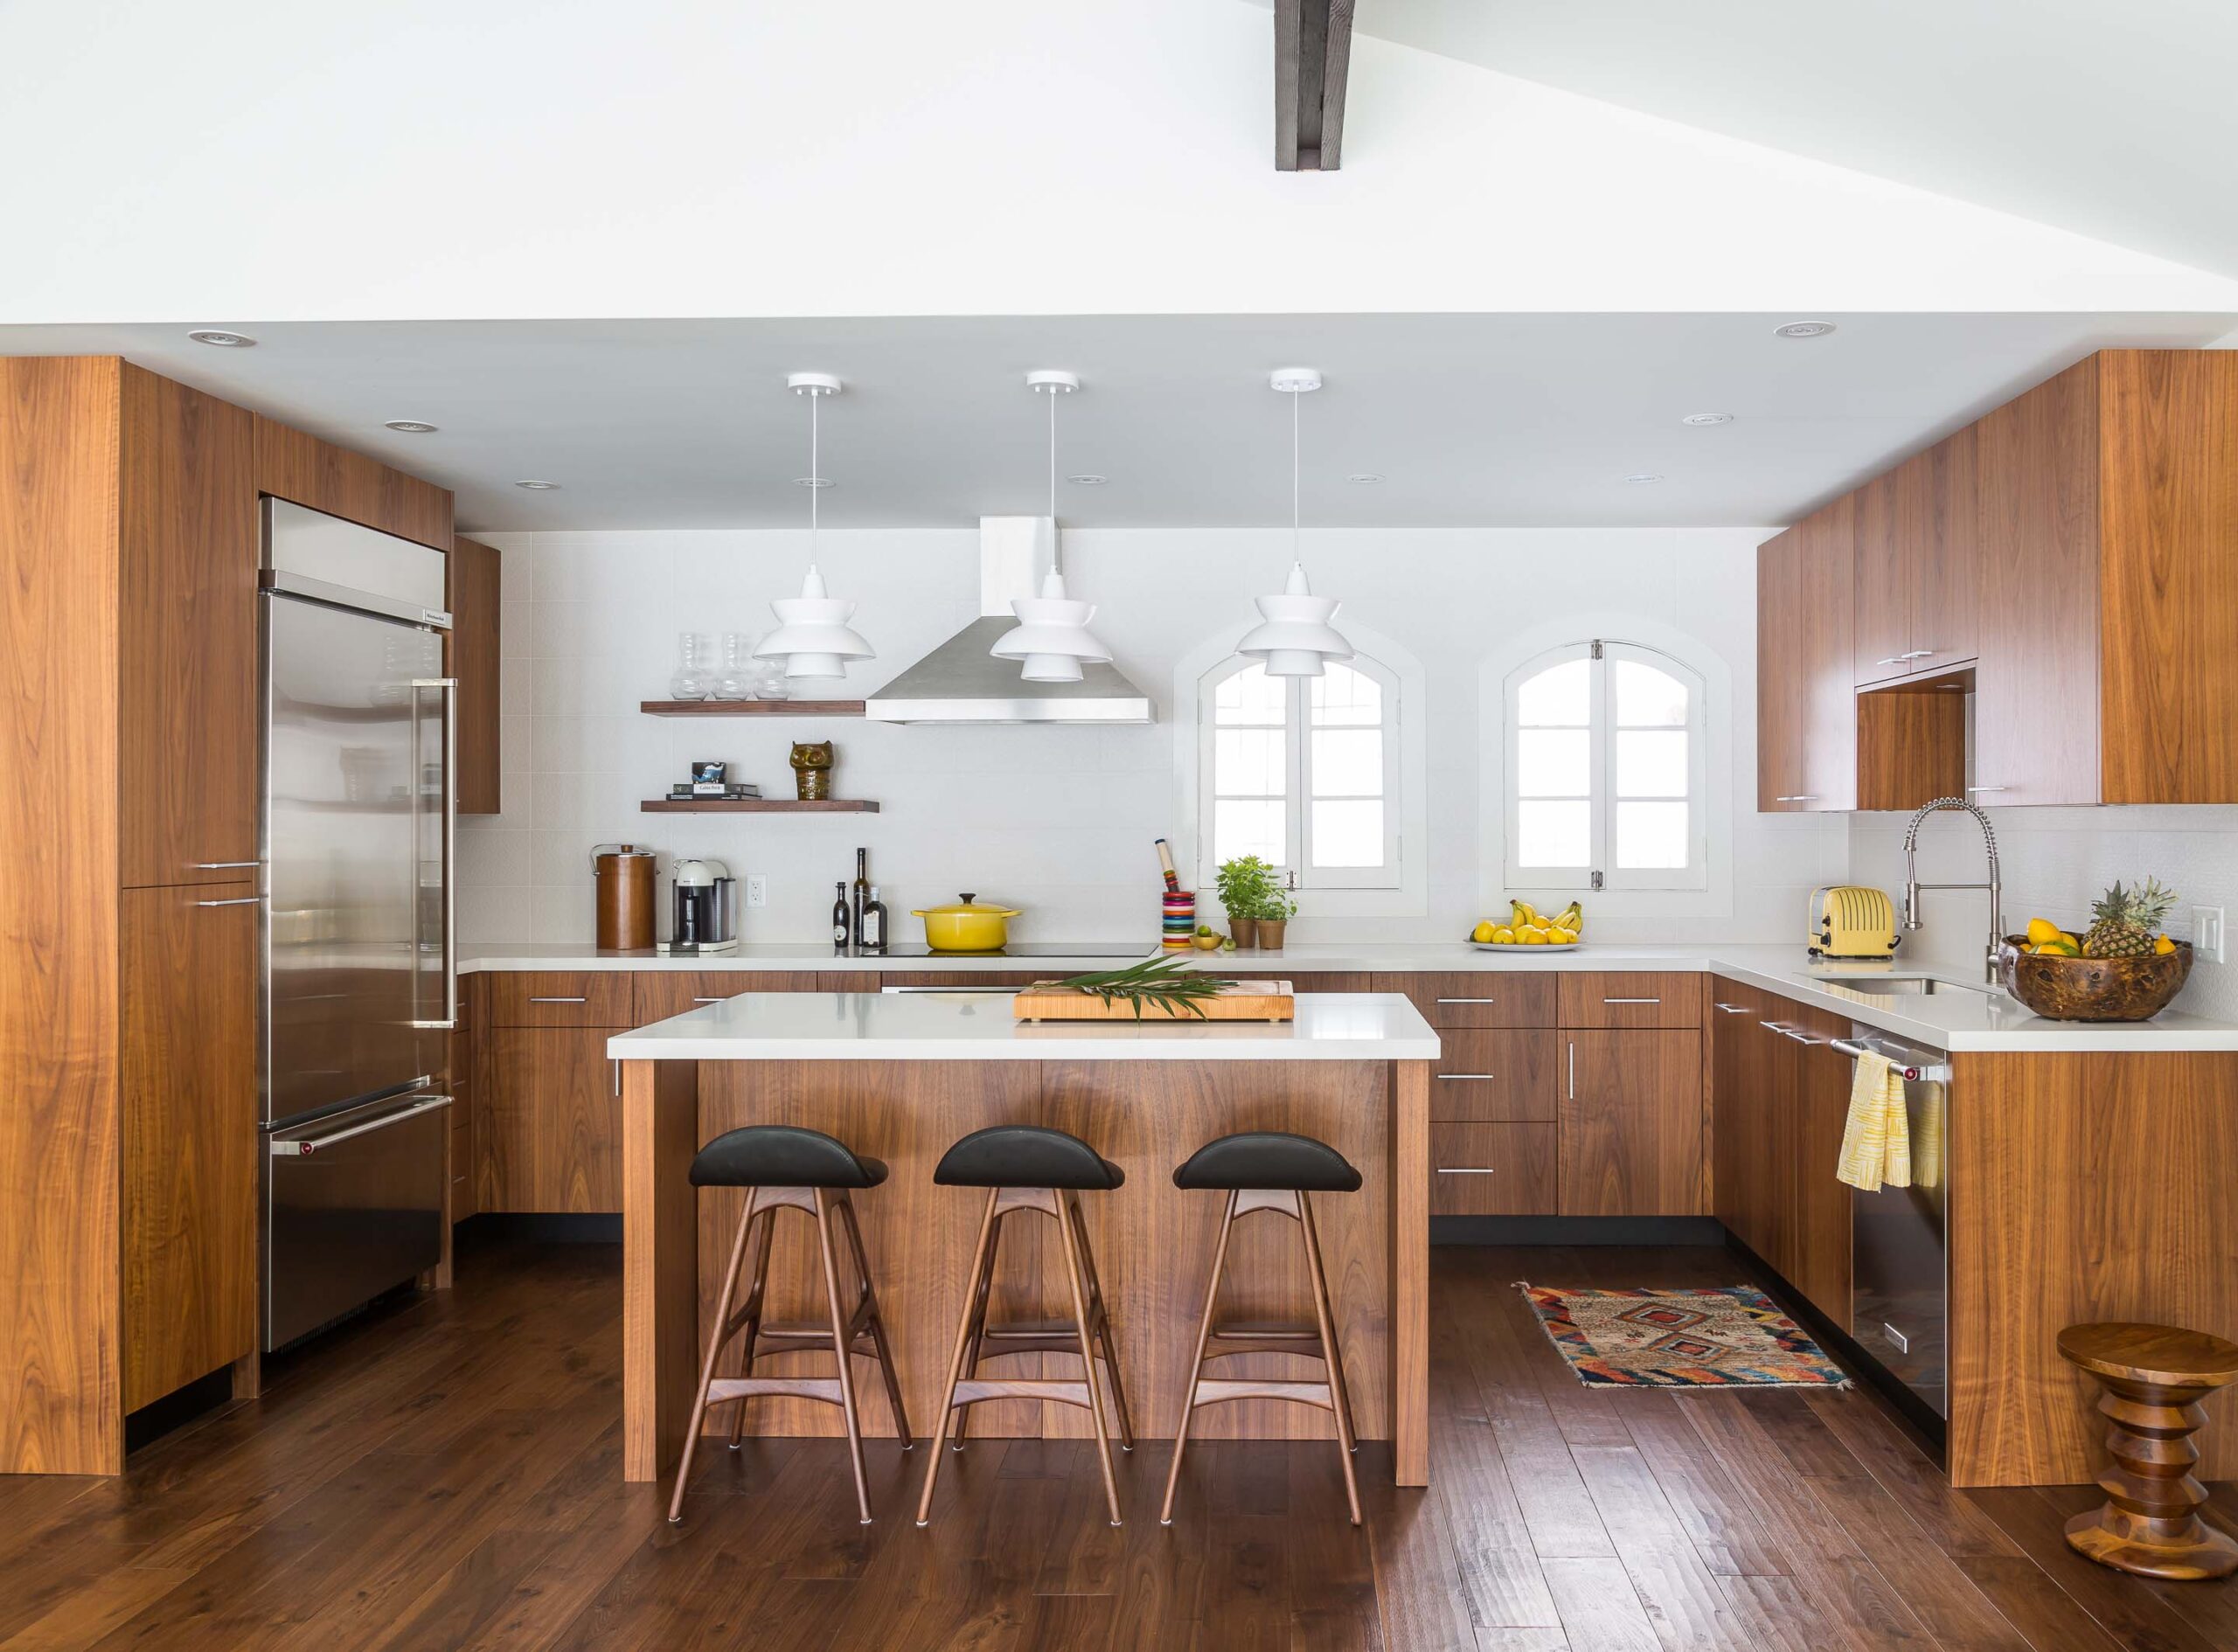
(901,1077)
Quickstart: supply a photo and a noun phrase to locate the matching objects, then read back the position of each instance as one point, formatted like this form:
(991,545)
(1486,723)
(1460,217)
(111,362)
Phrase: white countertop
(936,1026)
(1951,1019)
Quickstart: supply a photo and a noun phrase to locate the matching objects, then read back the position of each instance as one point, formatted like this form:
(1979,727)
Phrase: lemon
(1532,937)
(2164,945)
(2042,929)
(1564,934)
(1505,935)
(1484,931)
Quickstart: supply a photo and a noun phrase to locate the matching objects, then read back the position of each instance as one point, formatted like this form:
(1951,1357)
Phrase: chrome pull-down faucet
(1996,884)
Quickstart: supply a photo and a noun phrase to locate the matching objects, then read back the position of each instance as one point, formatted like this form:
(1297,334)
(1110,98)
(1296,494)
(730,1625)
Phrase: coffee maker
(704,917)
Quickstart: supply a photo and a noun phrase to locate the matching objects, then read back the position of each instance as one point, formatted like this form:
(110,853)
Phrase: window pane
(1349,834)
(1245,827)
(1342,695)
(1249,696)
(1347,762)
(1650,835)
(1647,698)
(1248,763)
(1553,834)
(1553,762)
(1652,764)
(1559,697)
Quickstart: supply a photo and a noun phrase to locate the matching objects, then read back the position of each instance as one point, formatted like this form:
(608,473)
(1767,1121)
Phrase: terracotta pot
(1243,931)
(2094,989)
(1271,931)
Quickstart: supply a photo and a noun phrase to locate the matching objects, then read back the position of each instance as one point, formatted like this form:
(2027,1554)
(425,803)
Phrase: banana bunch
(1527,926)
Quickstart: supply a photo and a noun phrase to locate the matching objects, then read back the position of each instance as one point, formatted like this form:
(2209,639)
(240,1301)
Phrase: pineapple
(2124,921)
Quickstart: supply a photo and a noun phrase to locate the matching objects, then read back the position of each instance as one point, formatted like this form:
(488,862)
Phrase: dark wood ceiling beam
(1313,49)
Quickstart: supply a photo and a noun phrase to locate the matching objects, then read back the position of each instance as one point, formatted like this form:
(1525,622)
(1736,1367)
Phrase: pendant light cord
(1056,560)
(815,474)
(1296,555)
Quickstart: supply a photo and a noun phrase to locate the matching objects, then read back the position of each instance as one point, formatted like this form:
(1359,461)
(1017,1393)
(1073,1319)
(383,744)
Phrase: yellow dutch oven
(967,927)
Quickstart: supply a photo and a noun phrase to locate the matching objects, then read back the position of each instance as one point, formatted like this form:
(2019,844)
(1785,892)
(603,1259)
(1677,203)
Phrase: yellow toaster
(1848,920)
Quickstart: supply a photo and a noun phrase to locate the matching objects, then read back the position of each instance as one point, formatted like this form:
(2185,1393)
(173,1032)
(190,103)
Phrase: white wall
(1056,820)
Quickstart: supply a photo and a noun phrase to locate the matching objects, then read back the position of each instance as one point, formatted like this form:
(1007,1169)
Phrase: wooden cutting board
(1244,1000)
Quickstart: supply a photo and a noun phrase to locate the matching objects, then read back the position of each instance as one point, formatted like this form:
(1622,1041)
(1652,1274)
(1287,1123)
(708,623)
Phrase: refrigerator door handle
(303,1147)
(448,688)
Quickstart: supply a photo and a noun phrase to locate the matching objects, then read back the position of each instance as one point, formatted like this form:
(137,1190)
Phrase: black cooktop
(1032,949)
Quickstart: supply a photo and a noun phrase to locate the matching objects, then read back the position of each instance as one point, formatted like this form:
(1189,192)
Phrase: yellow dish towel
(1876,1142)
(1927,1154)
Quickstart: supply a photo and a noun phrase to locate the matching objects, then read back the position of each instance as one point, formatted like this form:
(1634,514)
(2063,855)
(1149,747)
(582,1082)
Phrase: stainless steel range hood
(961,682)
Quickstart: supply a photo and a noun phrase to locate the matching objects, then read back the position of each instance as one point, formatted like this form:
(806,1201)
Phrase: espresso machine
(704,917)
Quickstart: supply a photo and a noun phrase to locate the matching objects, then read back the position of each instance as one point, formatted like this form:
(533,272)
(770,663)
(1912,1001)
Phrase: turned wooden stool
(1270,1170)
(2155,1377)
(788,1169)
(1026,1167)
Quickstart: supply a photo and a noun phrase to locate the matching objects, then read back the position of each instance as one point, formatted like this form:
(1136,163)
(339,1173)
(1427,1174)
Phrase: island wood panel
(1152,1242)
(2083,1187)
(59,1232)
(551,1111)
(1478,997)
(2168,575)
(188,729)
(1781,696)
(296,466)
(473,647)
(1632,1123)
(561,998)
(660,994)
(1494,1075)
(660,1264)
(1492,1169)
(188,1080)
(2036,690)
(1631,998)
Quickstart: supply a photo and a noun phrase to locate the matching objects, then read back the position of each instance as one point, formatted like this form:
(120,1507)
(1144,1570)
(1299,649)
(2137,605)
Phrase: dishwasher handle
(1912,1072)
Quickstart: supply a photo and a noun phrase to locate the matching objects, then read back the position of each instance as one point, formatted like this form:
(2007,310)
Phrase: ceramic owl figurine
(812,769)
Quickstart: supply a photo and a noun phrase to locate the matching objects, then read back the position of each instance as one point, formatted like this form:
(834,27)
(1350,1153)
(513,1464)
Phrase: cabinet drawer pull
(1989,788)
(1918,654)
(1468,1000)
(1443,1078)
(1466,1169)
(1893,659)
(711,1001)
(224,866)
(558,1001)
(1737,1009)
(238,900)
(1786,1031)
(1573,1079)
(1632,1001)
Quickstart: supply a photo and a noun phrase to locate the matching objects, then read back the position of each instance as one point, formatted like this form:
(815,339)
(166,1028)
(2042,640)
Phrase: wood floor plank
(1598,1607)
(1906,1474)
(1499,1568)
(1960,1617)
(2125,1607)
(1680,1594)
(1733,1542)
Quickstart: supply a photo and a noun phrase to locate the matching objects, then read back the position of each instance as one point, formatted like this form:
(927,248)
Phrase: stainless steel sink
(1886,986)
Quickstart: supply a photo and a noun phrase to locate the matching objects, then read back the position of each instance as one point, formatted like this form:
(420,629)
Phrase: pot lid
(601,851)
(970,904)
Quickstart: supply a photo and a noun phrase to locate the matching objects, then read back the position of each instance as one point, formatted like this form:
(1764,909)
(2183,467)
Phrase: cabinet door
(2036,686)
(1631,1124)
(187,969)
(1780,687)
(473,651)
(1742,1055)
(1816,1252)
(1883,579)
(188,728)
(1827,594)
(551,1118)
(1946,564)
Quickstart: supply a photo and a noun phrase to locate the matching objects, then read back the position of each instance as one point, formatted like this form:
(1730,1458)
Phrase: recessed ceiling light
(534,486)
(1643,475)
(409,426)
(1804,330)
(1707,419)
(811,482)
(1364,476)
(221,339)
(1089,479)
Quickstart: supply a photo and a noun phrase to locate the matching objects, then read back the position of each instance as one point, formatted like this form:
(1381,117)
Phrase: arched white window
(1606,770)
(1302,771)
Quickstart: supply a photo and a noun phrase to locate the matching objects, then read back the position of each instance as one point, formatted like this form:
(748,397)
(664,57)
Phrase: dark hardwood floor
(446,1474)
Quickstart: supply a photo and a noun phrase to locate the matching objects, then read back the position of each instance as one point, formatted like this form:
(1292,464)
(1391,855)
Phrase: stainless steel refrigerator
(360,971)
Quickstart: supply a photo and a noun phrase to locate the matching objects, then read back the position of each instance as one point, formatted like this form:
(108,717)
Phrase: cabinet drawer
(571,998)
(1479,998)
(1492,1169)
(1631,998)
(1502,1075)
(662,995)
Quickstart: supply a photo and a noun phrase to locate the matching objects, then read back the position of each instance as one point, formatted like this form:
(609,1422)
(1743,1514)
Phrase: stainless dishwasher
(1900,1286)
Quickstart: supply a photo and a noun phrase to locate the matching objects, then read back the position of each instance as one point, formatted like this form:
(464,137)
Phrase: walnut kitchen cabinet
(1748,1064)
(472,649)
(1917,576)
(1779,675)
(1631,1122)
(552,1115)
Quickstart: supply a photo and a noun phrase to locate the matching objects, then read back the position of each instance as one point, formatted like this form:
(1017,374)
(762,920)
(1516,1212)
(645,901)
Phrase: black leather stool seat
(1025,1155)
(781,1155)
(1269,1159)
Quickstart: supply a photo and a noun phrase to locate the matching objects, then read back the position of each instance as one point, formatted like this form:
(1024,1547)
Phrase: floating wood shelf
(751,708)
(757,806)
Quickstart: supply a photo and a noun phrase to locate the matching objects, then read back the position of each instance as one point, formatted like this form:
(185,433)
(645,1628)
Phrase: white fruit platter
(1518,946)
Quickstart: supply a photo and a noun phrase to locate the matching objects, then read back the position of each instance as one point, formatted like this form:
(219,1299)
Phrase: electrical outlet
(2207,934)
(757,890)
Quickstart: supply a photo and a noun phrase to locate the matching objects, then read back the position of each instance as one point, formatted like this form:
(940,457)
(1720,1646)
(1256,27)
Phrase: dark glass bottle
(862,891)
(874,923)
(840,927)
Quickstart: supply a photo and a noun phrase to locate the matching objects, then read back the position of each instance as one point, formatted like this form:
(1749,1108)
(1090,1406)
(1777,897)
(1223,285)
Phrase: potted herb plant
(1274,914)
(1247,886)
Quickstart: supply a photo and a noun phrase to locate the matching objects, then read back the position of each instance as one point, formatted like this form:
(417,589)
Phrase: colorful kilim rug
(1733,1336)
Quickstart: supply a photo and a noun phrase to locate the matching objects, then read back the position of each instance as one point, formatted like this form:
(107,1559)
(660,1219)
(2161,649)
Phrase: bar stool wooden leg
(885,1354)
(1339,1404)
(1103,1331)
(843,1353)
(1197,1365)
(752,1311)
(1074,1241)
(979,1258)
(960,1419)
(707,1368)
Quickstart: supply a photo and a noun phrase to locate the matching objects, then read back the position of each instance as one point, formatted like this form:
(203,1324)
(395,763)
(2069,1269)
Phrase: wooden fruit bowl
(2094,989)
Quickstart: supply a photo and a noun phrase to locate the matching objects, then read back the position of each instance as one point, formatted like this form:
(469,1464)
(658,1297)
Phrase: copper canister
(623,873)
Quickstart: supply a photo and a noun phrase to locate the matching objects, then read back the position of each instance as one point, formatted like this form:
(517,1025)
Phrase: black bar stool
(788,1169)
(1270,1170)
(1026,1167)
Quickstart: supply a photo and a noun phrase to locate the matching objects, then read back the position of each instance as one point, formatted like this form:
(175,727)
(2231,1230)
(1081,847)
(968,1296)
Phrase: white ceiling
(1472,420)
(2115,120)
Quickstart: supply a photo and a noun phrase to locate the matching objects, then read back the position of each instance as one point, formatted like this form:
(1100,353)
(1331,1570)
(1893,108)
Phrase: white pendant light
(1294,636)
(1052,636)
(812,636)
